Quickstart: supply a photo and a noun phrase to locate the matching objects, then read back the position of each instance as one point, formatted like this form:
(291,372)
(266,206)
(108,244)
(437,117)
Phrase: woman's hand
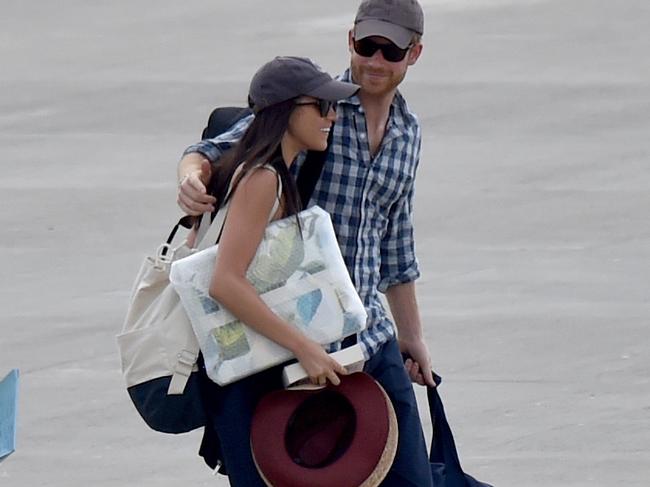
(318,364)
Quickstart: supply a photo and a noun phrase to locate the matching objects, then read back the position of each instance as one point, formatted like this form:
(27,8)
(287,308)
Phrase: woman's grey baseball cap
(287,77)
(396,20)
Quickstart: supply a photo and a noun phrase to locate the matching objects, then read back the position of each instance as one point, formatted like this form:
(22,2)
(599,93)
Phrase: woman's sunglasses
(323,106)
(366,47)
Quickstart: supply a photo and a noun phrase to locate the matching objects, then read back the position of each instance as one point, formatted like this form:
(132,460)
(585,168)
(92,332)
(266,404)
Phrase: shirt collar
(398,103)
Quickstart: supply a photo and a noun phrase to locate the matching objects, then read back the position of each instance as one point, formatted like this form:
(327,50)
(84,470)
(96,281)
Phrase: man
(367,186)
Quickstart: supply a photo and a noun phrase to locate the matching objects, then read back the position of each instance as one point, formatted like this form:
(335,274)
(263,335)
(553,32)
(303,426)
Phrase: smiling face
(308,129)
(375,74)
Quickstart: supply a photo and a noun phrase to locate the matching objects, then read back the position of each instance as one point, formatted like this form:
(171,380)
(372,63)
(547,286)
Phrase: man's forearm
(404,308)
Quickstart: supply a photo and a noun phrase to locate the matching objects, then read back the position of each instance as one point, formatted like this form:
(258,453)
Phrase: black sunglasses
(323,106)
(366,47)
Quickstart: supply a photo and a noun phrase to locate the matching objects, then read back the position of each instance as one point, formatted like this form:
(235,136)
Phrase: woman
(294,105)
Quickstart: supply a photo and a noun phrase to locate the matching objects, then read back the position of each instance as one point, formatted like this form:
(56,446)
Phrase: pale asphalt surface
(532,220)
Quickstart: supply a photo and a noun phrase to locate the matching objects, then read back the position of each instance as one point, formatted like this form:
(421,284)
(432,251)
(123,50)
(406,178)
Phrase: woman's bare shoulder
(261,178)
(258,187)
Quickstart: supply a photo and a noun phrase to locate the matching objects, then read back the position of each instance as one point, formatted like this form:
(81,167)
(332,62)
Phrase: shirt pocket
(389,182)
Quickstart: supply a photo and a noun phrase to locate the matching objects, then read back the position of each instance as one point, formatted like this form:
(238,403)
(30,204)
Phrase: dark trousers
(411,467)
(231,409)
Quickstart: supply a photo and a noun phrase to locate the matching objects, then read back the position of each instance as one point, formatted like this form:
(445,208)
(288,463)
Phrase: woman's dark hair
(259,145)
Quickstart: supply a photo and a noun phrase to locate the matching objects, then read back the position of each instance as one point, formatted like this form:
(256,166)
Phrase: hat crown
(284,78)
(320,430)
(405,13)
(358,407)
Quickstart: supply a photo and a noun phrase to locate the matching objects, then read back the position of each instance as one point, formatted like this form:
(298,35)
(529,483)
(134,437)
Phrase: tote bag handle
(208,233)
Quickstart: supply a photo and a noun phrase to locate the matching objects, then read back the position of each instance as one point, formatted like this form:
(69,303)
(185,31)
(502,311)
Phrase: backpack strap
(185,364)
(278,198)
(213,232)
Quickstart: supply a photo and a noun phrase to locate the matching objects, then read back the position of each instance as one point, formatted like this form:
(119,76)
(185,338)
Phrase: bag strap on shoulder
(209,233)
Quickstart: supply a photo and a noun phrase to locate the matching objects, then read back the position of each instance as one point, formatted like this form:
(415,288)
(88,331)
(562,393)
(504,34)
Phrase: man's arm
(404,308)
(194,169)
(193,177)
(399,270)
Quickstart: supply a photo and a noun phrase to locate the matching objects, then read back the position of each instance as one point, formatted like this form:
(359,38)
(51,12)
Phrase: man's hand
(192,194)
(418,365)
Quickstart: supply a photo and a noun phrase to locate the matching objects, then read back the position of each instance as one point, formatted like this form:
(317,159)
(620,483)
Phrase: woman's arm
(243,231)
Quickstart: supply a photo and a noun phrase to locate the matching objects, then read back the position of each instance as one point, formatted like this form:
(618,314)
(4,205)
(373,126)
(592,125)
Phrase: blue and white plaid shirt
(370,200)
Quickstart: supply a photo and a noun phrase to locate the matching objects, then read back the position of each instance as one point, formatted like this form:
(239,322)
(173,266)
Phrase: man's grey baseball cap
(287,77)
(396,20)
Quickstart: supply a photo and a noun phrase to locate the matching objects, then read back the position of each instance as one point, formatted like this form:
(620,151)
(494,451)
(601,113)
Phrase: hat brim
(398,35)
(365,462)
(334,90)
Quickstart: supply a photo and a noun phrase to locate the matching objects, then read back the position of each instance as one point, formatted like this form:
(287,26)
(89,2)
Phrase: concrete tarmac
(532,220)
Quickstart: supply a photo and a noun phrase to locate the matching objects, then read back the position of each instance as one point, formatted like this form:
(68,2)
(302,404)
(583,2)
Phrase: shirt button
(362,136)
(360,109)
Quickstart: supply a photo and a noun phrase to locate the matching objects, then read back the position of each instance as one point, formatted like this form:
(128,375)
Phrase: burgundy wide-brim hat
(344,436)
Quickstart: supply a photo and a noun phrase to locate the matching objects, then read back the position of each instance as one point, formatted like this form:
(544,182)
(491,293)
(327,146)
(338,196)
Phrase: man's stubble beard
(388,86)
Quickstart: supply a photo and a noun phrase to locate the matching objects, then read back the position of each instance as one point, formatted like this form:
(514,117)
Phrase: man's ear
(414,54)
(351,40)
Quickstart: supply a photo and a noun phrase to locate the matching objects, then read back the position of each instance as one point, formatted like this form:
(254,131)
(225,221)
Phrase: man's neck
(376,107)
(377,111)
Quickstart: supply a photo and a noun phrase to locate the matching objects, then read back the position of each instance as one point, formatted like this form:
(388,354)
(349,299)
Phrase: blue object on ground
(8,407)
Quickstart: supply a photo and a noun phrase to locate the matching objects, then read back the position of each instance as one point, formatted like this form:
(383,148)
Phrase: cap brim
(398,35)
(334,90)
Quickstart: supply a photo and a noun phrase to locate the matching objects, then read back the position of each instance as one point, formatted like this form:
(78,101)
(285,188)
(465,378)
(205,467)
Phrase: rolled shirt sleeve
(212,149)
(399,264)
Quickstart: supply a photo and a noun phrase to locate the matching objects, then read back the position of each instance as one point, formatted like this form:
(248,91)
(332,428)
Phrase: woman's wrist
(296,342)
